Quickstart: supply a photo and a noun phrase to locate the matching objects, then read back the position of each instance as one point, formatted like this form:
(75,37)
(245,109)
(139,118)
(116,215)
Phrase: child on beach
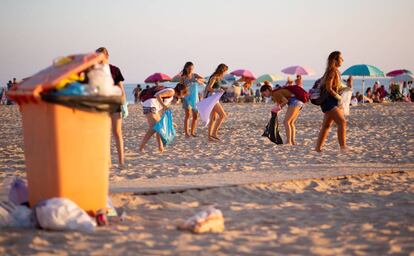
(190,80)
(218,114)
(154,107)
(284,97)
(331,80)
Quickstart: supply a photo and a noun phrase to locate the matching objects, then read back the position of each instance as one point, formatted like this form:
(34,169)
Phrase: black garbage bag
(272,130)
(110,104)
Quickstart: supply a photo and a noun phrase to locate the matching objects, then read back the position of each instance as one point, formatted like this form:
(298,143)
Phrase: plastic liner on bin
(93,103)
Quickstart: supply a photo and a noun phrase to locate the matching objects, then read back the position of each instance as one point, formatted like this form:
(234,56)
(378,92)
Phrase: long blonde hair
(333,58)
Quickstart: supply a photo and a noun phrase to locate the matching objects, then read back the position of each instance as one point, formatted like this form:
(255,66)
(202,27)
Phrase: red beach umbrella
(157,77)
(398,72)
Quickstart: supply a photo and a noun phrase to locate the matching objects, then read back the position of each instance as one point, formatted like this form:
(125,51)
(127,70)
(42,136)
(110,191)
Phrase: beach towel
(192,97)
(165,128)
(272,130)
(206,106)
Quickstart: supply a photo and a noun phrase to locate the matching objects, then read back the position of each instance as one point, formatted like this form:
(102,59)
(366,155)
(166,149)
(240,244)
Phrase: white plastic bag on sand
(100,76)
(206,106)
(18,193)
(16,216)
(346,95)
(63,214)
(208,220)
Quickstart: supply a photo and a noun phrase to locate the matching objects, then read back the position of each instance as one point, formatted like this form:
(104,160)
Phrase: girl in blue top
(191,81)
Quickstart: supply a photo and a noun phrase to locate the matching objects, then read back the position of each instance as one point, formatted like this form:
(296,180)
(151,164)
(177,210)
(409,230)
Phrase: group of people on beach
(397,92)
(4,100)
(157,99)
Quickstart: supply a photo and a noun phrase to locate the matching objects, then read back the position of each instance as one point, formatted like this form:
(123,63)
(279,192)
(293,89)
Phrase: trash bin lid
(29,89)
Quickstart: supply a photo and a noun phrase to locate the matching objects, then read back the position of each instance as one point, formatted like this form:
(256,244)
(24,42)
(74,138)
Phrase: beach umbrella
(398,72)
(157,77)
(363,70)
(403,78)
(229,77)
(298,70)
(244,73)
(268,77)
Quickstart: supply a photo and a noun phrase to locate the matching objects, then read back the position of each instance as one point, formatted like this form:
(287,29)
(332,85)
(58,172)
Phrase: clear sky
(147,36)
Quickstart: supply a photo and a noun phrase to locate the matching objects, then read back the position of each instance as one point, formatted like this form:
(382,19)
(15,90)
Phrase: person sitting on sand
(369,93)
(289,81)
(377,97)
(331,106)
(284,97)
(218,114)
(299,81)
(237,91)
(154,107)
(354,100)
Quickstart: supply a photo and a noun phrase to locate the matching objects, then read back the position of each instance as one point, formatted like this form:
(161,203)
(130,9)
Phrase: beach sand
(294,208)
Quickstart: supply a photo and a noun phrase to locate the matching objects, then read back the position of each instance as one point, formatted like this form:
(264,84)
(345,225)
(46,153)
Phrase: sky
(264,36)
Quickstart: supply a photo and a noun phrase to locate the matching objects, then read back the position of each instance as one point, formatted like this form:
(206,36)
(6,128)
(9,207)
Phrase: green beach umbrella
(363,71)
(268,77)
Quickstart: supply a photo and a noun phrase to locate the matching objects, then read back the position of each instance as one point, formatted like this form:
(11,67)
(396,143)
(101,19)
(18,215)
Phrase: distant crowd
(3,97)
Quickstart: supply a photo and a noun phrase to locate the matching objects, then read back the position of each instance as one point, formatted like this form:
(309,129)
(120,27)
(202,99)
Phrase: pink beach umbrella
(157,77)
(244,73)
(298,70)
(398,72)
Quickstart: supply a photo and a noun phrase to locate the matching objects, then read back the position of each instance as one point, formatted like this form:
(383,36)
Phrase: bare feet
(212,139)
(346,149)
(194,135)
(216,138)
(318,150)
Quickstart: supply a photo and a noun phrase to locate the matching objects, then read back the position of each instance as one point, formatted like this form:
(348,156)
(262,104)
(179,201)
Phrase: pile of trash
(58,214)
(91,89)
(96,80)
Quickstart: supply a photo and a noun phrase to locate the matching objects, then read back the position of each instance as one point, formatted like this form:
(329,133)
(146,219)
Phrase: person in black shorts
(116,117)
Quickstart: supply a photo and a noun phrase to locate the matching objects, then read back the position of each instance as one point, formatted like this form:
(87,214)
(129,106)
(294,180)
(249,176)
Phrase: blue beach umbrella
(363,71)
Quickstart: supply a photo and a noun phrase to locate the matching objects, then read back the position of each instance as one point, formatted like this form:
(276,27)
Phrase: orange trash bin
(67,150)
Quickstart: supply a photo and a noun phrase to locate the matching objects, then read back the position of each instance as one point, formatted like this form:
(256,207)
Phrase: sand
(275,199)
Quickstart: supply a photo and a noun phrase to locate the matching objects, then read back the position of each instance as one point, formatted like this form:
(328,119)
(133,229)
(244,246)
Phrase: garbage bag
(75,88)
(206,106)
(192,97)
(100,76)
(165,128)
(15,216)
(18,193)
(272,130)
(346,94)
(124,110)
(63,214)
(207,220)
